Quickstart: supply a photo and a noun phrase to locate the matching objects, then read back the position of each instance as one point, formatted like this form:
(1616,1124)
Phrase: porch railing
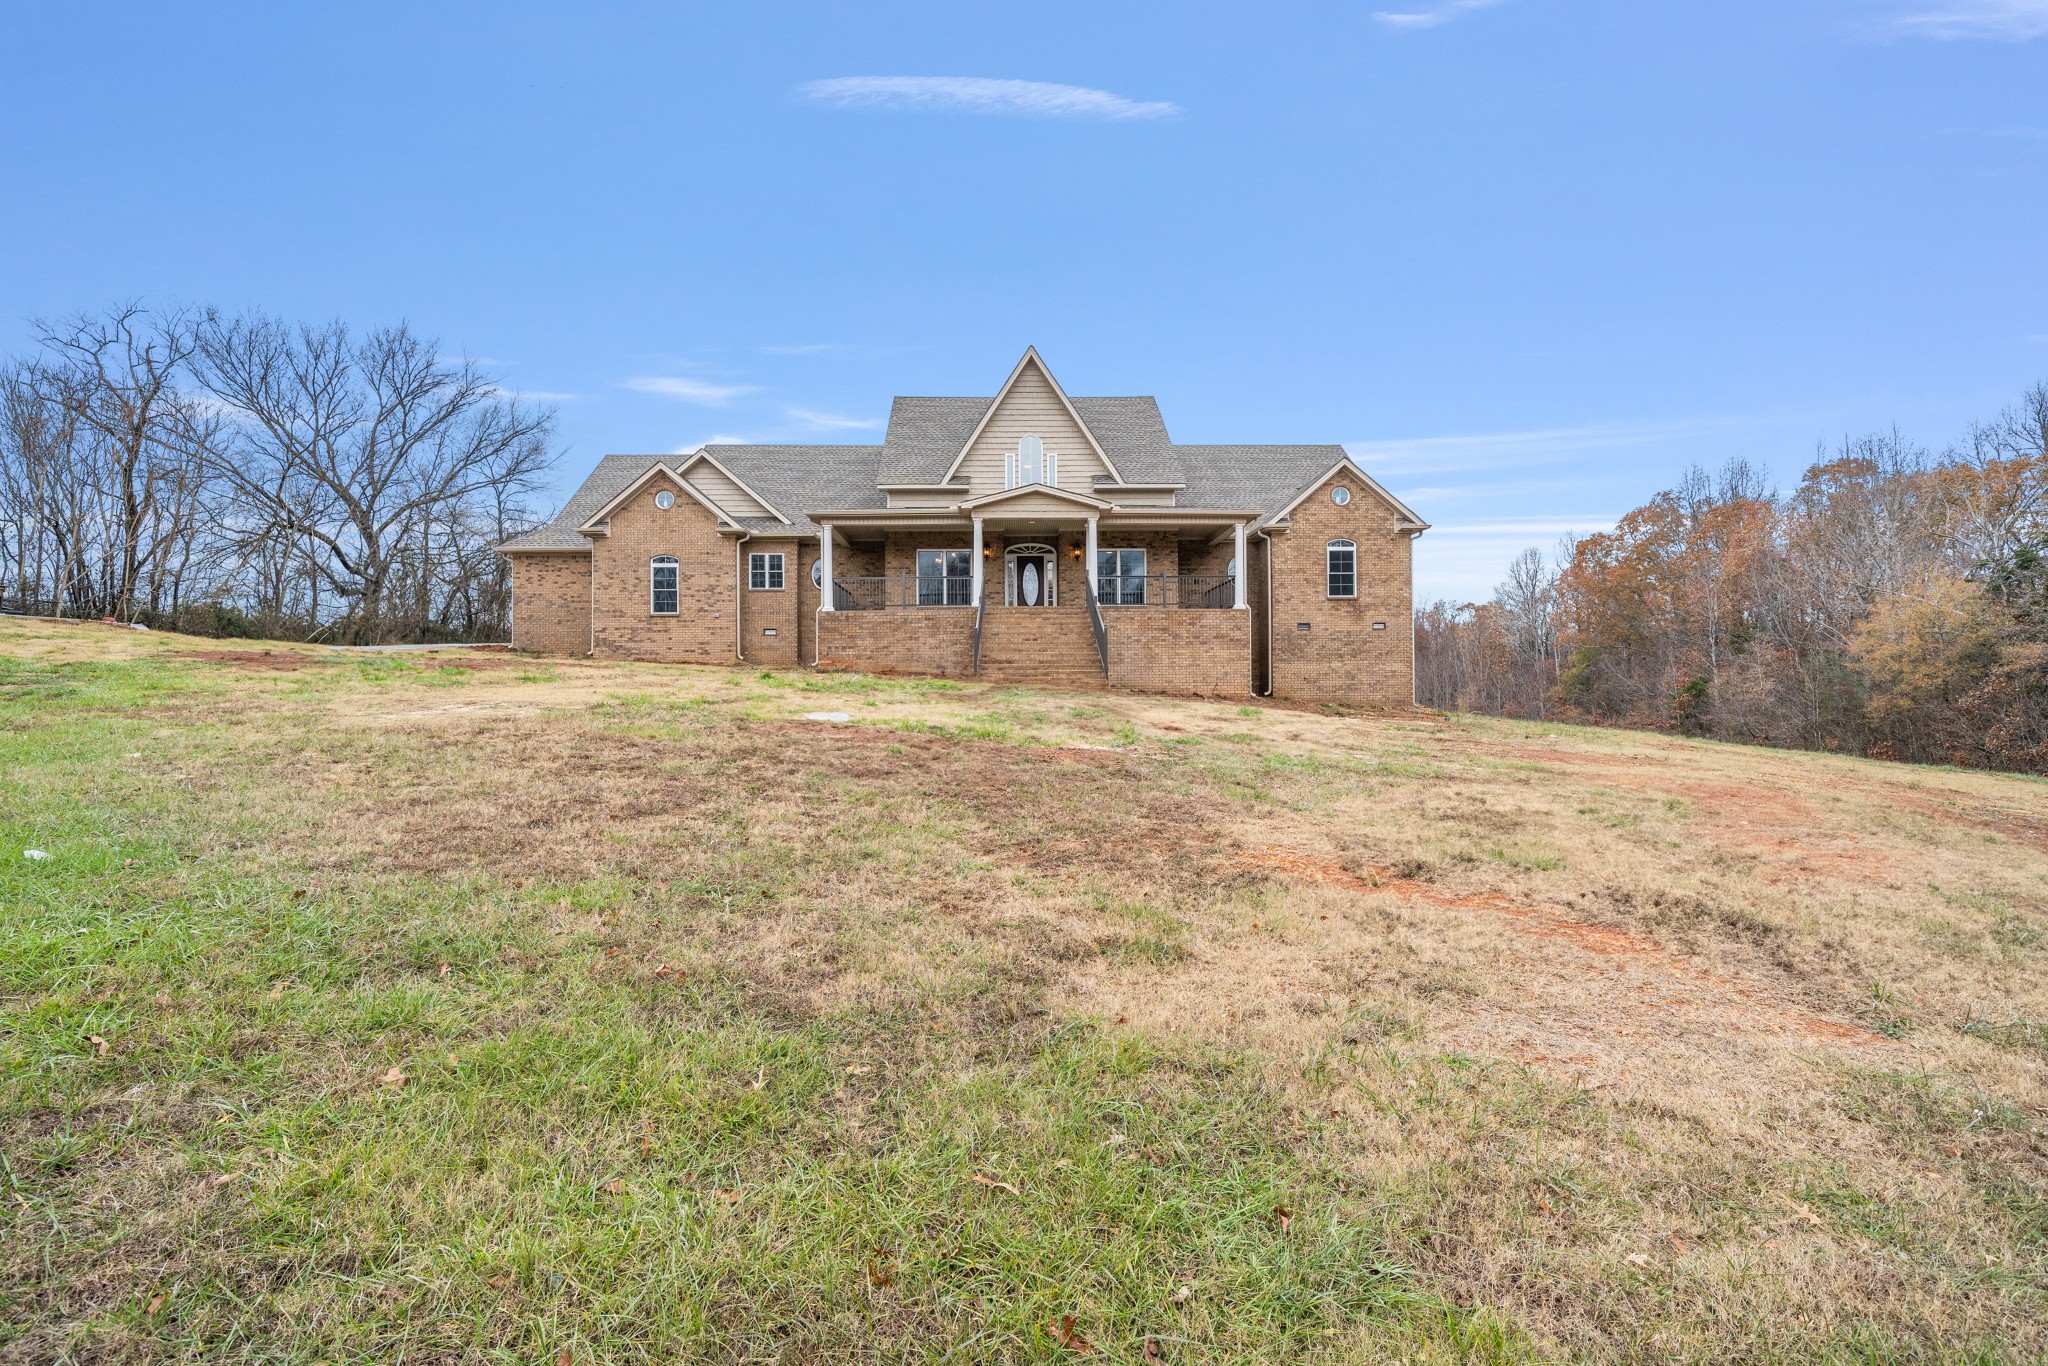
(902,590)
(1168,590)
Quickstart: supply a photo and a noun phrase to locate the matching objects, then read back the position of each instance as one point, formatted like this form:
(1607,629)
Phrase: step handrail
(1095,620)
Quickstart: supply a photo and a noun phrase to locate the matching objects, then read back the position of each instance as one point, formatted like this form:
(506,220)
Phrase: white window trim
(1330,548)
(1145,574)
(667,562)
(925,550)
(781,571)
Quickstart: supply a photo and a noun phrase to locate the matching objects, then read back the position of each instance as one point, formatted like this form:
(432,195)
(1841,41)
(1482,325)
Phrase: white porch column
(1094,583)
(978,575)
(825,570)
(1244,570)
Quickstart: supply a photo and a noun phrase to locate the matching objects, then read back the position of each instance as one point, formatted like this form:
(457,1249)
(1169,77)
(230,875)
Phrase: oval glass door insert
(1031,583)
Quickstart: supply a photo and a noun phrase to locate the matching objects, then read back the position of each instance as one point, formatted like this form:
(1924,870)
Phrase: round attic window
(1340,495)
(666,499)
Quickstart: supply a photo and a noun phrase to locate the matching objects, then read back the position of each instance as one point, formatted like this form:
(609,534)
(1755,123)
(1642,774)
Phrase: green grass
(259,1110)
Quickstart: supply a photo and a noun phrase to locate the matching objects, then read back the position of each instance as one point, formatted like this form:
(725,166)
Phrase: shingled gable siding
(551,603)
(1340,658)
(702,630)
(767,609)
(736,501)
(1032,408)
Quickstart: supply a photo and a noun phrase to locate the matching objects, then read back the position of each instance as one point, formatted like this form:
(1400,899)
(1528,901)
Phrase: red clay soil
(258,661)
(1604,940)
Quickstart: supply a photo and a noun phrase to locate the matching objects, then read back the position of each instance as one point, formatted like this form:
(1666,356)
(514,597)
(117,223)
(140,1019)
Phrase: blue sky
(1528,257)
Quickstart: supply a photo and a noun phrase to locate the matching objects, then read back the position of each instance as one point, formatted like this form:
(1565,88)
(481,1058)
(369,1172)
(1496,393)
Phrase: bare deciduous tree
(372,453)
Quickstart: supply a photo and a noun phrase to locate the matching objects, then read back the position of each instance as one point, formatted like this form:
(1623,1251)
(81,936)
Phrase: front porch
(1149,602)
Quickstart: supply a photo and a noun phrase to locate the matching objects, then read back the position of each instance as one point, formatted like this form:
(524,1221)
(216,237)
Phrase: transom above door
(1031,576)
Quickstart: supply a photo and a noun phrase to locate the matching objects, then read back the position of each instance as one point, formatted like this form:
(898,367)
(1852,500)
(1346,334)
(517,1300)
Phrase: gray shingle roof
(791,478)
(923,437)
(1134,435)
(1264,477)
(925,434)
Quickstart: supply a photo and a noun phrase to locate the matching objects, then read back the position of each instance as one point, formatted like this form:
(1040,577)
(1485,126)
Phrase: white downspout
(1267,537)
(739,582)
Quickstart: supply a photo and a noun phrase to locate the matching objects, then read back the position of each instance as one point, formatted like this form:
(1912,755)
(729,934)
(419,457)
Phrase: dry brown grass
(1651,1044)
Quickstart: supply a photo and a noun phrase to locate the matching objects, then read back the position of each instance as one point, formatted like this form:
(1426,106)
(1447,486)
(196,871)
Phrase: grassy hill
(478,1008)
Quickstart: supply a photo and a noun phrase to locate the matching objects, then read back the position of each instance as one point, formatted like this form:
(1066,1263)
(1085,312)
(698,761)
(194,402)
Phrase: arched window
(1341,569)
(661,585)
(1030,463)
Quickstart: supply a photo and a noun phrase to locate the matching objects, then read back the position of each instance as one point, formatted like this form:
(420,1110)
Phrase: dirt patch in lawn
(1727,1004)
(257,661)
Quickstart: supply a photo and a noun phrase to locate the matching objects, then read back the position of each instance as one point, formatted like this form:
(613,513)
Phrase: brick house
(1028,537)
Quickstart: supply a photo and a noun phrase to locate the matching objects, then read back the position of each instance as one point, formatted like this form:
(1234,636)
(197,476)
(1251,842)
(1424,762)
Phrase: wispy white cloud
(2011,21)
(1464,560)
(722,439)
(982,95)
(532,395)
(1495,450)
(831,422)
(697,391)
(1526,526)
(807,349)
(1434,15)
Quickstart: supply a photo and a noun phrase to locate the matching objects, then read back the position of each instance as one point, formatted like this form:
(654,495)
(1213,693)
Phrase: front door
(1032,590)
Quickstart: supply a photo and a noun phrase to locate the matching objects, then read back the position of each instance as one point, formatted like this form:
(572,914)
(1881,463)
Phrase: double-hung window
(661,585)
(764,569)
(1341,569)
(1120,577)
(945,578)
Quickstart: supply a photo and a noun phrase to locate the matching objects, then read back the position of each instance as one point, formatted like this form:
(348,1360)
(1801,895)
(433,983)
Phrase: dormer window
(1031,463)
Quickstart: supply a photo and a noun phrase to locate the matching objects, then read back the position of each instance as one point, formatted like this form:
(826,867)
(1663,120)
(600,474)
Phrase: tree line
(1894,603)
(251,476)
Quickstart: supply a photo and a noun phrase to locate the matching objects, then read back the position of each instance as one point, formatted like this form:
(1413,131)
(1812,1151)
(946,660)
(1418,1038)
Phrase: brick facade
(551,603)
(937,641)
(573,603)
(624,626)
(771,609)
(1340,657)
(1188,652)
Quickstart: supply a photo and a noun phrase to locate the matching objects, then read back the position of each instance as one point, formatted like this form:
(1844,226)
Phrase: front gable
(1031,403)
(657,477)
(1347,470)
